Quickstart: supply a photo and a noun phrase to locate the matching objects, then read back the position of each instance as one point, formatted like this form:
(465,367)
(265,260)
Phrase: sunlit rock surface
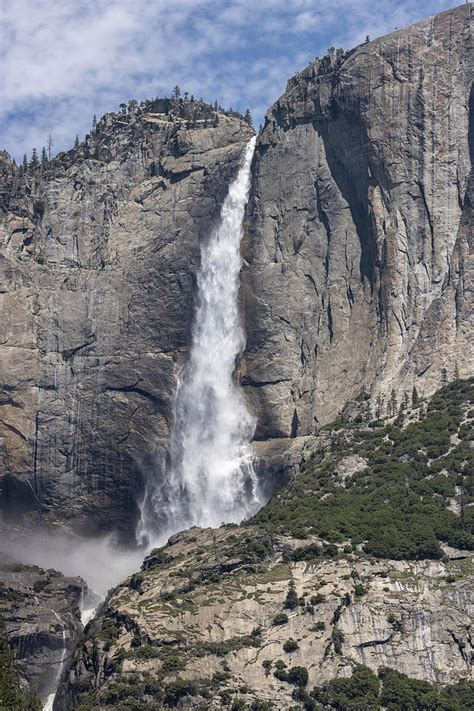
(359,246)
(98,254)
(204,610)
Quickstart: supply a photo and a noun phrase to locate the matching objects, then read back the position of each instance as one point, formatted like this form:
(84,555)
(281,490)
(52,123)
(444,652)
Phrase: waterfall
(49,703)
(207,477)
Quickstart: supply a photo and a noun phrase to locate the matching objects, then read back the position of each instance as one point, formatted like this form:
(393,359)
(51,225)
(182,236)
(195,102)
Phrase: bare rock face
(41,611)
(98,251)
(359,272)
(210,619)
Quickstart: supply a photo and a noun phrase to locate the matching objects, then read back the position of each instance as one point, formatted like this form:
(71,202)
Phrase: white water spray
(207,477)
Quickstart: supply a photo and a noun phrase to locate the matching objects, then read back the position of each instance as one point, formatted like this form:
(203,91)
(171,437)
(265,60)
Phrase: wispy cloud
(64,60)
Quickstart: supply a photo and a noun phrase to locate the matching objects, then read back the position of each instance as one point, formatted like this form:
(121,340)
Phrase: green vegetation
(280,619)
(313,551)
(144,651)
(337,638)
(359,590)
(178,689)
(233,644)
(397,507)
(298,676)
(391,690)
(109,632)
(12,697)
(290,645)
(173,663)
(292,600)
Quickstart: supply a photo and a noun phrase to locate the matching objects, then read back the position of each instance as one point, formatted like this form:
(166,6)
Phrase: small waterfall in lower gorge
(49,703)
(207,477)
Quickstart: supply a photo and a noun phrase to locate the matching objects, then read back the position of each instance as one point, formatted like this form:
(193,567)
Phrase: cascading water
(208,477)
(49,703)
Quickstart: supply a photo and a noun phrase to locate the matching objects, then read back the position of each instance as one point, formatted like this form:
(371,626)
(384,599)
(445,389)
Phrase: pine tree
(34,162)
(11,695)
(94,124)
(248,117)
(216,105)
(414,396)
(176,92)
(25,162)
(44,157)
(76,141)
(291,600)
(392,405)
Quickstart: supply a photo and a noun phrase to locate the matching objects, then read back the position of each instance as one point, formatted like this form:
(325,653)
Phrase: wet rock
(41,611)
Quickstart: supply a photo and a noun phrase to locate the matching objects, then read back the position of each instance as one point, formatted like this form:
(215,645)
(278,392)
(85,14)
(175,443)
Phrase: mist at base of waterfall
(99,561)
(208,477)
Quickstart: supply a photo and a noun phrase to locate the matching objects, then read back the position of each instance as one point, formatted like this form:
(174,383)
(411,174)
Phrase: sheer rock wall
(98,253)
(359,274)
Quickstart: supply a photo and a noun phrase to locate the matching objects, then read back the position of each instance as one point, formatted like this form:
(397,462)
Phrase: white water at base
(88,605)
(207,477)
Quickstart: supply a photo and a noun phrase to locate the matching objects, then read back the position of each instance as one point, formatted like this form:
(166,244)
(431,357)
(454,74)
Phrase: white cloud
(64,60)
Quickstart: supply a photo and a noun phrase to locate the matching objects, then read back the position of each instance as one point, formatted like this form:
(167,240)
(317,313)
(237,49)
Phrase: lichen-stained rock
(41,612)
(98,252)
(207,618)
(358,274)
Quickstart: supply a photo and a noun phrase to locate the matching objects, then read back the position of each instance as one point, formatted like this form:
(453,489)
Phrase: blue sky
(61,61)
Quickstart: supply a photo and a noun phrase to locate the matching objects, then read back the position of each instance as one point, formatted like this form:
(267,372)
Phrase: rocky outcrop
(215,613)
(358,273)
(98,252)
(41,612)
(365,557)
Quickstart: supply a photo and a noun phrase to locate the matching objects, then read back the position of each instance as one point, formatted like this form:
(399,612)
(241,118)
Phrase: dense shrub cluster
(397,507)
(391,690)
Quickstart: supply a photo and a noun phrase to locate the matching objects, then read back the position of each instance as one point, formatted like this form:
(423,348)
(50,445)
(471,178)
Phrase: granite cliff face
(99,249)
(41,612)
(359,246)
(357,291)
(358,272)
